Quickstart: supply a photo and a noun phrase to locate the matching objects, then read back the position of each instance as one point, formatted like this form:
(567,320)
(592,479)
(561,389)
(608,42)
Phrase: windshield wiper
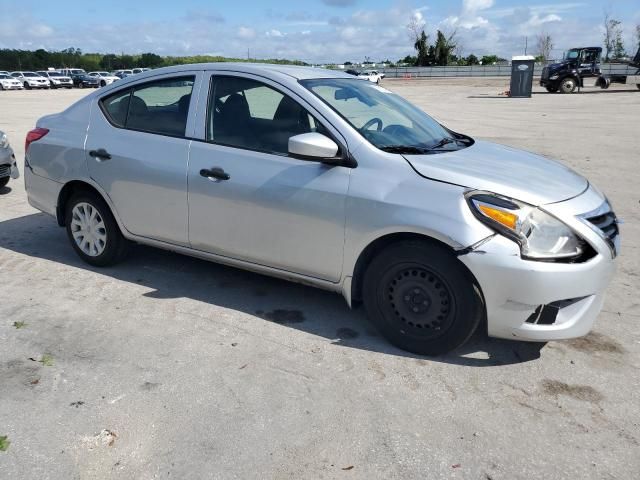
(403,149)
(441,143)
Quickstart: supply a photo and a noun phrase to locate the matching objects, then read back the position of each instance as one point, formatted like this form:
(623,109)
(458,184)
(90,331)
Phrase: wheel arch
(377,246)
(75,186)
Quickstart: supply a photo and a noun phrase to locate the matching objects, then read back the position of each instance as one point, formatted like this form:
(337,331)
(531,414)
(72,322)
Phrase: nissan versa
(324,179)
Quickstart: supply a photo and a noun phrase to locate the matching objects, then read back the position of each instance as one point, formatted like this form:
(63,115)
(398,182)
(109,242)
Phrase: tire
(103,83)
(568,85)
(1,87)
(552,89)
(4,181)
(27,86)
(422,298)
(109,247)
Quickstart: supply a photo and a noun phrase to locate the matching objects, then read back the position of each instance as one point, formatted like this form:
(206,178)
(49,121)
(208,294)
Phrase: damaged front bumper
(542,301)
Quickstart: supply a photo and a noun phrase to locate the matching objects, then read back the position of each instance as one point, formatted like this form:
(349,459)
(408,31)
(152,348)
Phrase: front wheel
(552,89)
(568,85)
(421,298)
(93,230)
(27,86)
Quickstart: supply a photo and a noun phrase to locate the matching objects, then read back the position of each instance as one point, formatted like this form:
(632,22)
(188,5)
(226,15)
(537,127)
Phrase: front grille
(5,170)
(607,224)
(545,73)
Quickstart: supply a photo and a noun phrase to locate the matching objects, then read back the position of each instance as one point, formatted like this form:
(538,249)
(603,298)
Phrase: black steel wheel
(422,298)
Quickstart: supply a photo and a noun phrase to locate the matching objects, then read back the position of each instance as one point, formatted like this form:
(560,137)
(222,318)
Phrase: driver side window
(248,114)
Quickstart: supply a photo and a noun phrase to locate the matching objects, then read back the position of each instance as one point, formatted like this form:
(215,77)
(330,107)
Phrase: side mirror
(318,147)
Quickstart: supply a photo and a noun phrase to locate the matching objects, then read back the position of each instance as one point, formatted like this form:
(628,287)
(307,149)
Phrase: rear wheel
(568,85)
(421,298)
(552,89)
(93,230)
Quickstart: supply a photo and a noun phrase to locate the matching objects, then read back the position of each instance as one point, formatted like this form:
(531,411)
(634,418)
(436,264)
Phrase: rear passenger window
(116,107)
(160,107)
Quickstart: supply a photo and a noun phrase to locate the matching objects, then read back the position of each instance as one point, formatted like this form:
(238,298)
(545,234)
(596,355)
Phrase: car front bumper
(542,301)
(9,86)
(8,166)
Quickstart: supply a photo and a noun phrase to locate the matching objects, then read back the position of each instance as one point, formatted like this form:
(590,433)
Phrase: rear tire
(568,85)
(552,89)
(421,298)
(93,231)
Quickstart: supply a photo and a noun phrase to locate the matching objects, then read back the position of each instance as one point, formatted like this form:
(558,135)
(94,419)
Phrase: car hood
(503,170)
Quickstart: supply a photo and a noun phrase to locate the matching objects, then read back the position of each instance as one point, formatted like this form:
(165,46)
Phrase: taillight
(33,136)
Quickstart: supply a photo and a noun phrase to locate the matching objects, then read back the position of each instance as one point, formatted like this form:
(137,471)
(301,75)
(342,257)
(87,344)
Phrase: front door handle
(214,173)
(101,154)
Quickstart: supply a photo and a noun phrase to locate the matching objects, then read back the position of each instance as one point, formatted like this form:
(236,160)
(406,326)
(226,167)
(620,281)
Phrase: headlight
(540,235)
(4,141)
(554,77)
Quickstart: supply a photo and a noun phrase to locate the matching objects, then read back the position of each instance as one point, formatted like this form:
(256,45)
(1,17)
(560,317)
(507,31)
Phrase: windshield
(385,119)
(572,54)
(30,74)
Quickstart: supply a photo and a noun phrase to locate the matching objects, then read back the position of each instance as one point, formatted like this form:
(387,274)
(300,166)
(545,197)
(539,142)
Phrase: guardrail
(485,71)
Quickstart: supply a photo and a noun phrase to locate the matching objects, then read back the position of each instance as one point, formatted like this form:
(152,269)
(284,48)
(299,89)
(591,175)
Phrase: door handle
(101,154)
(214,173)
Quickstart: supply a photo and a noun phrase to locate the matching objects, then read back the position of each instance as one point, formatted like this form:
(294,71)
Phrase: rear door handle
(101,154)
(214,173)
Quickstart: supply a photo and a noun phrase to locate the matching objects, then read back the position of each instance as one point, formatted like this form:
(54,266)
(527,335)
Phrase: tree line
(13,59)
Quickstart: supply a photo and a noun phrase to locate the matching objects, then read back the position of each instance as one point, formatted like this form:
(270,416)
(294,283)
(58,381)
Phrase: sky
(316,31)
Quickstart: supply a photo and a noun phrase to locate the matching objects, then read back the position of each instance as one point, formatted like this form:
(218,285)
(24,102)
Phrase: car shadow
(171,276)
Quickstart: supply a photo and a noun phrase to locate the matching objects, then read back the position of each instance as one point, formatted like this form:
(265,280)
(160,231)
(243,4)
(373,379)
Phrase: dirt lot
(171,367)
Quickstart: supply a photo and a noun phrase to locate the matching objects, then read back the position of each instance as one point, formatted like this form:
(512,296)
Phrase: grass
(4,443)
(19,324)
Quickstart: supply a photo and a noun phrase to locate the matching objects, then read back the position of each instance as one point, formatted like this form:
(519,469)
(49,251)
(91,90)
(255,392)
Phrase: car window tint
(161,107)
(116,107)
(248,114)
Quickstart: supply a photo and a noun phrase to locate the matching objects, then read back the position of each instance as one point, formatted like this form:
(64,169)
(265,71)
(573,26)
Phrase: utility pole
(248,55)
(525,45)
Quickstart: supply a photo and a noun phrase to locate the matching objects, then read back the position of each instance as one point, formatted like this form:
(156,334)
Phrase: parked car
(8,167)
(122,73)
(83,80)
(104,78)
(69,72)
(318,177)
(371,75)
(136,71)
(4,72)
(31,80)
(7,82)
(56,79)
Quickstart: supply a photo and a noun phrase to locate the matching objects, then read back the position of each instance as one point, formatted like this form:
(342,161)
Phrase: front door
(261,205)
(137,151)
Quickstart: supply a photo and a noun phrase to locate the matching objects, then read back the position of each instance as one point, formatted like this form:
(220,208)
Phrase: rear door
(272,210)
(137,151)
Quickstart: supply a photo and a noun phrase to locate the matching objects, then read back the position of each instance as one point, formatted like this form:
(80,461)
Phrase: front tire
(552,89)
(4,181)
(93,231)
(422,298)
(568,85)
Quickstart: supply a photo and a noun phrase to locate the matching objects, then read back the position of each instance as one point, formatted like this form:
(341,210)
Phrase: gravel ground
(171,367)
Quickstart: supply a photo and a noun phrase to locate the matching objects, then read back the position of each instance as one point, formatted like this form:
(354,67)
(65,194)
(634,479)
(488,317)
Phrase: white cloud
(246,33)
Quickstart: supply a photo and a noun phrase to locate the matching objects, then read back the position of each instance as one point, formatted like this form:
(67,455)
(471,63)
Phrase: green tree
(444,48)
(422,47)
(150,60)
(471,60)
(489,59)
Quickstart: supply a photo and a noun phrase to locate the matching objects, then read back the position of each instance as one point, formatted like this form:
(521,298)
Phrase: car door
(137,151)
(264,207)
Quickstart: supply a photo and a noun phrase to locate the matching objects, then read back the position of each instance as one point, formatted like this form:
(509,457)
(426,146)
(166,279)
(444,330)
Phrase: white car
(140,70)
(56,79)
(371,75)
(105,78)
(7,82)
(31,80)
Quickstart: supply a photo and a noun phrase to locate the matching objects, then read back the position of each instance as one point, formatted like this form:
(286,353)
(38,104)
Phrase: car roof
(296,72)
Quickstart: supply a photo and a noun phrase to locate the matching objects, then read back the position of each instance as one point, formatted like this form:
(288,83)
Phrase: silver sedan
(320,178)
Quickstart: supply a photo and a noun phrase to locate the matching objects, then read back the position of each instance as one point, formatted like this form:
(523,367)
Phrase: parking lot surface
(170,367)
